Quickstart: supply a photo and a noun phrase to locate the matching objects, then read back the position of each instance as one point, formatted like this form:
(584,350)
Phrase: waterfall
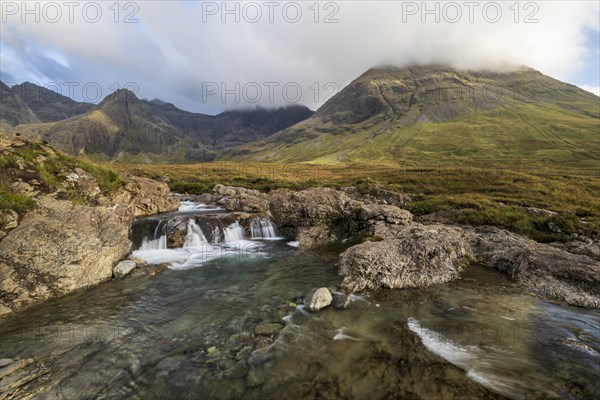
(154,244)
(262,228)
(194,236)
(216,235)
(233,233)
(158,241)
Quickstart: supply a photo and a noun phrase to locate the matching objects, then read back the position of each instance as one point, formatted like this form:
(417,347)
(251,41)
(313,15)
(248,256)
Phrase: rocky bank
(60,230)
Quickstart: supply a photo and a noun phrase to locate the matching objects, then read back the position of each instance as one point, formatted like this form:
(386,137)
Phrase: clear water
(481,336)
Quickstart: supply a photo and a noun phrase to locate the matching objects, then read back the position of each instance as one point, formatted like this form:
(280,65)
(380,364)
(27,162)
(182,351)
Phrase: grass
(533,135)
(51,168)
(12,201)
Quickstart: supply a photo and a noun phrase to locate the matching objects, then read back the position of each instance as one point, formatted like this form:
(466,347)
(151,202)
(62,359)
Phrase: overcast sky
(197,56)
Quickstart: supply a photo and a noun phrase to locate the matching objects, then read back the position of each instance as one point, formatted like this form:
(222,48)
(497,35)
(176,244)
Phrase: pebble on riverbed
(317,299)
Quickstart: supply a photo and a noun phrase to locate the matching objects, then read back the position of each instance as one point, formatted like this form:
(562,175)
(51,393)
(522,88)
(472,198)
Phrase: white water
(190,206)
(262,228)
(436,343)
(229,242)
(154,244)
(216,235)
(233,233)
(341,335)
(194,236)
(474,360)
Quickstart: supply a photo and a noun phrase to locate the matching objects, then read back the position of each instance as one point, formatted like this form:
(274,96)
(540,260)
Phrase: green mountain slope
(438,115)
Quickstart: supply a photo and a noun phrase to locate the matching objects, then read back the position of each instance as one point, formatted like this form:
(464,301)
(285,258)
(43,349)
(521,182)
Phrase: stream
(226,321)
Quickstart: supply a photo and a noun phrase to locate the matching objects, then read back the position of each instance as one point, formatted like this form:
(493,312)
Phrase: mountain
(437,114)
(125,128)
(29,103)
(48,105)
(13,111)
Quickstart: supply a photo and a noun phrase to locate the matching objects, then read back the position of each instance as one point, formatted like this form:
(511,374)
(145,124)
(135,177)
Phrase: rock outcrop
(56,249)
(551,272)
(422,255)
(241,199)
(70,232)
(418,256)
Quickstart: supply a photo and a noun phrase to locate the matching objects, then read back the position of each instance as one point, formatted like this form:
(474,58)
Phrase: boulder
(314,237)
(85,183)
(393,215)
(147,196)
(176,230)
(317,299)
(58,248)
(420,256)
(241,199)
(310,207)
(124,268)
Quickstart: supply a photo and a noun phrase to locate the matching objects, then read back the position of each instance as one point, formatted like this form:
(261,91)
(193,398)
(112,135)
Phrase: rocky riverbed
(398,252)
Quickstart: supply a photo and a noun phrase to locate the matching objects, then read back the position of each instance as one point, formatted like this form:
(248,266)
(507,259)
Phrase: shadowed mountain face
(29,103)
(439,114)
(47,104)
(12,110)
(126,128)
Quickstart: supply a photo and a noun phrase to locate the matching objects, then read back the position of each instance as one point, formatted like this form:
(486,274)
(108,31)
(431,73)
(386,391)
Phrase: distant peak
(120,95)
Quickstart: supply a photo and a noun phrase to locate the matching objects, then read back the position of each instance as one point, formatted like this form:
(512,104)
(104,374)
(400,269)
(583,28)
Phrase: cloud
(591,89)
(201,59)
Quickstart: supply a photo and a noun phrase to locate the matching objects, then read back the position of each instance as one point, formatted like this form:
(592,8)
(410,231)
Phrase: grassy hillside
(531,135)
(436,115)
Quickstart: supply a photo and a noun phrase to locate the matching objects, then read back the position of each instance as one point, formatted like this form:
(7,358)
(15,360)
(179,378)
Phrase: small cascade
(158,240)
(216,235)
(262,228)
(233,233)
(194,236)
(154,244)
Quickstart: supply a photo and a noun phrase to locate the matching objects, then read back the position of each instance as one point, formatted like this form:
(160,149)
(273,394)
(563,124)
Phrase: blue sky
(205,58)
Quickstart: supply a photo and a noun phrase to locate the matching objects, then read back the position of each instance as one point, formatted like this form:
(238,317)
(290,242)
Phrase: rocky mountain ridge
(124,127)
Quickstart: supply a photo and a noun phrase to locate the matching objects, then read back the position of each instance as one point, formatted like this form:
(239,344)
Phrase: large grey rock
(59,248)
(378,195)
(315,237)
(548,271)
(310,207)
(419,256)
(146,196)
(241,199)
(124,268)
(317,299)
